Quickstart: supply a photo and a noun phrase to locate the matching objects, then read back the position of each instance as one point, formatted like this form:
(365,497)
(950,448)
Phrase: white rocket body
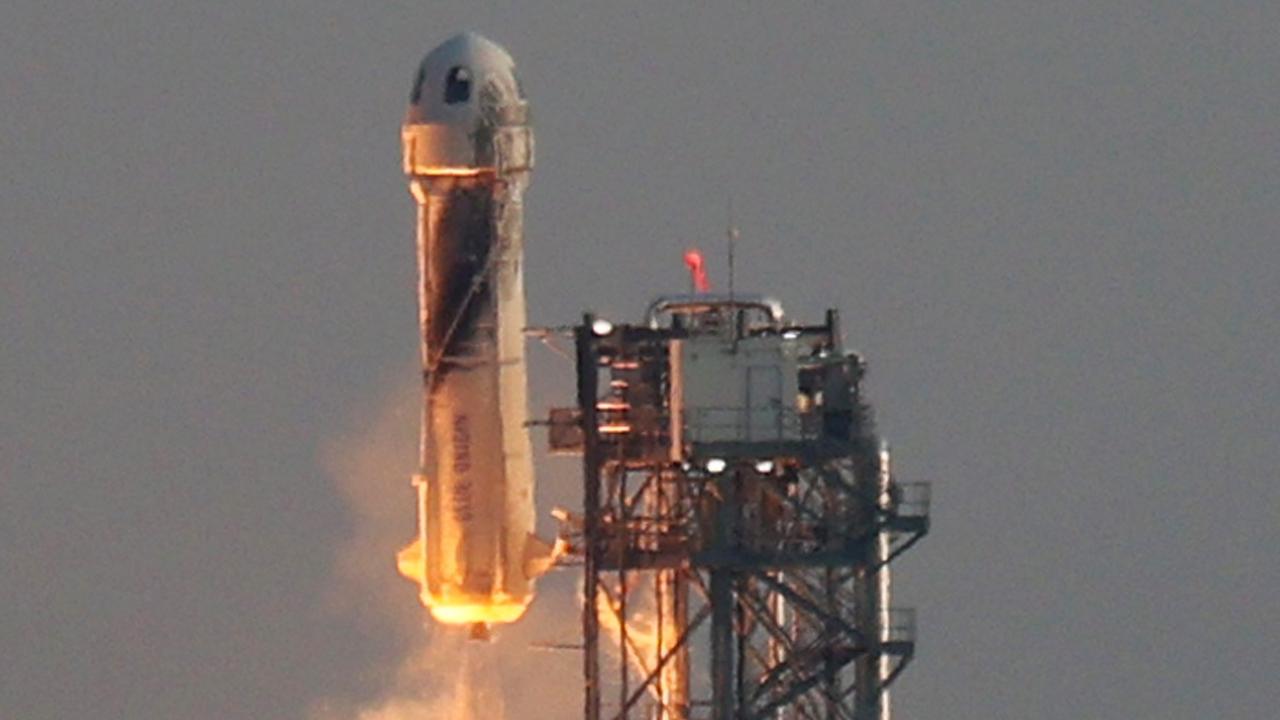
(468,153)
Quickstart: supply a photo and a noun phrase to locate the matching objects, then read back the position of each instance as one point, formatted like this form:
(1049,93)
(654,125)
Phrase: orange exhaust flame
(642,639)
(495,610)
(643,648)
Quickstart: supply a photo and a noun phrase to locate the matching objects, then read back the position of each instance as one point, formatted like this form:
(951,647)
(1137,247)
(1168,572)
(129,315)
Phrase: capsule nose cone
(453,77)
(467,111)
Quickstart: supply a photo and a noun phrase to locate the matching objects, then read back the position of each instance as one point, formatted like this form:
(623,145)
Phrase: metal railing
(748,424)
(912,499)
(901,626)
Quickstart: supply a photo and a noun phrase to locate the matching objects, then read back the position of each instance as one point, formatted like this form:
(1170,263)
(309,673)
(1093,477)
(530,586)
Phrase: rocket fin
(410,563)
(480,632)
(540,555)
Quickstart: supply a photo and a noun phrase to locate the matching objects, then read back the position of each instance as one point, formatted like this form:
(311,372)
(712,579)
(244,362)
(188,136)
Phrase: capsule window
(457,86)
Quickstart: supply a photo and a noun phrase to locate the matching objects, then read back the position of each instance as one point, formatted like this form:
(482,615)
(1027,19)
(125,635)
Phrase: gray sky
(1051,230)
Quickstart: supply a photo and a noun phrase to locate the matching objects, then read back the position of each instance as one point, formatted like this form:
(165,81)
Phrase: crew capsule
(467,112)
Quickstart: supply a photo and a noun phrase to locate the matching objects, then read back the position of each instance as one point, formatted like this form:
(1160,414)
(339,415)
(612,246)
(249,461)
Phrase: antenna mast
(732,234)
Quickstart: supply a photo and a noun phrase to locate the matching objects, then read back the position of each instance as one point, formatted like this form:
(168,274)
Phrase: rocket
(468,154)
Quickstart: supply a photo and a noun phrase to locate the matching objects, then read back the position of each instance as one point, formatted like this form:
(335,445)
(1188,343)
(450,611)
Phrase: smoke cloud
(446,677)
(435,672)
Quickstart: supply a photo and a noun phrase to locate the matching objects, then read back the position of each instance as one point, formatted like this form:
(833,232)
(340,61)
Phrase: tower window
(457,86)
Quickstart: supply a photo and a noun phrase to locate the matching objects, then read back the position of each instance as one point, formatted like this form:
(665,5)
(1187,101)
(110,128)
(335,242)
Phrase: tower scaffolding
(739,519)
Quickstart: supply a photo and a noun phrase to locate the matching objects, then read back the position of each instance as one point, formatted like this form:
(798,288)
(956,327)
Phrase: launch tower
(739,518)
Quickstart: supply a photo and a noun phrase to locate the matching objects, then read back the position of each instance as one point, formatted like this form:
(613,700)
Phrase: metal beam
(588,379)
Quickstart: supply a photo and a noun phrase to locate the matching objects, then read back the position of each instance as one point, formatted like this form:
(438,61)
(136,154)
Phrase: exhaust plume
(434,672)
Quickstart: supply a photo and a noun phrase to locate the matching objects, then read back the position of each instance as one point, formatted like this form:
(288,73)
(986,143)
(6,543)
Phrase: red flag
(697,270)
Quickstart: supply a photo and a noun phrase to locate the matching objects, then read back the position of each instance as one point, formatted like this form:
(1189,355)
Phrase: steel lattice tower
(739,517)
